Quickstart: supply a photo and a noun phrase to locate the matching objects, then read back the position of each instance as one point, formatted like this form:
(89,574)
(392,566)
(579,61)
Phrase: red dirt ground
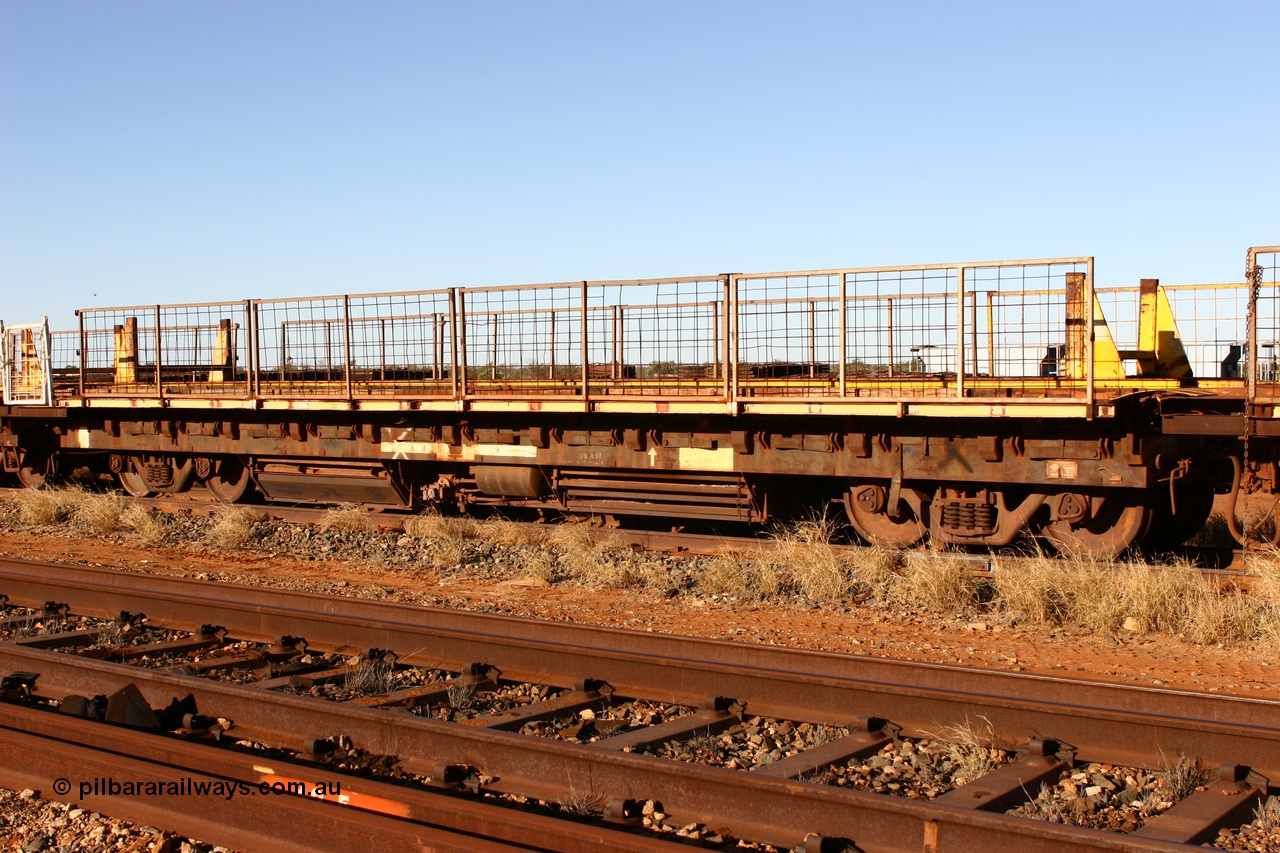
(1123,657)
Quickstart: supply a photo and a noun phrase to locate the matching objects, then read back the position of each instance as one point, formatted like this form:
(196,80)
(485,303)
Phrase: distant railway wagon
(968,403)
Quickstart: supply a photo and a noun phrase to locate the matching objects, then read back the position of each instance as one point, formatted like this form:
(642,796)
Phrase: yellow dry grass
(233,526)
(434,526)
(348,519)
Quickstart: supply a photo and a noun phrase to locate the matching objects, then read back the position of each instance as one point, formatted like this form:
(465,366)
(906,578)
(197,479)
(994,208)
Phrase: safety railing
(1262,273)
(936,330)
(25,357)
(197,349)
(977,330)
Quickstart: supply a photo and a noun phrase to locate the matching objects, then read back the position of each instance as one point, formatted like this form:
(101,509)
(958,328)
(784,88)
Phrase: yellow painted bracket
(1160,352)
(1107,363)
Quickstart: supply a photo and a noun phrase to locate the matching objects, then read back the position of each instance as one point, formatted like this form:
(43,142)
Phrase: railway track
(477,731)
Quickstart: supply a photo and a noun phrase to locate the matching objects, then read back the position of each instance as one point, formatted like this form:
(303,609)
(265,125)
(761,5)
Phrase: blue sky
(172,152)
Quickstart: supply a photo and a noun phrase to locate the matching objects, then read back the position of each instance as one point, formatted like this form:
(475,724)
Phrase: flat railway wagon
(967,403)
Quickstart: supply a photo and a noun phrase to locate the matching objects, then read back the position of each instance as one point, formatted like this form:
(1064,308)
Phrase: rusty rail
(1102,722)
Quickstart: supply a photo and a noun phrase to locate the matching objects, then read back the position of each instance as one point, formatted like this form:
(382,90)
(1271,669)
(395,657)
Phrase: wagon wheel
(33,471)
(135,484)
(1169,529)
(230,482)
(867,508)
(1098,527)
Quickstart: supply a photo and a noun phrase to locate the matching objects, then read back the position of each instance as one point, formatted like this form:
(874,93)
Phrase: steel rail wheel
(867,508)
(230,481)
(135,484)
(1102,527)
(34,470)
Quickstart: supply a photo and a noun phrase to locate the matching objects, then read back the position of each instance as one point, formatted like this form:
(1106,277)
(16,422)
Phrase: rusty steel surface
(747,805)
(1116,722)
(361,808)
(38,749)
(1102,722)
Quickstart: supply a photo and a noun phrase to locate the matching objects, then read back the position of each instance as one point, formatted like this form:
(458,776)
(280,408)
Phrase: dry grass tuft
(801,561)
(147,527)
(1182,776)
(1266,817)
(462,695)
(804,561)
(434,526)
(370,677)
(602,563)
(41,506)
(233,526)
(589,803)
(970,749)
(539,565)
(347,519)
(935,582)
(510,534)
(1106,596)
(100,513)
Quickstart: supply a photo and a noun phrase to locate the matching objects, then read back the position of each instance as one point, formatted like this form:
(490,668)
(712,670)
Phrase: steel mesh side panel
(401,344)
(645,338)
(1212,322)
(203,349)
(301,347)
(658,338)
(1120,308)
(523,340)
(120,351)
(1267,320)
(193,350)
(1017,325)
(907,331)
(789,334)
(26,354)
(902,330)
(64,362)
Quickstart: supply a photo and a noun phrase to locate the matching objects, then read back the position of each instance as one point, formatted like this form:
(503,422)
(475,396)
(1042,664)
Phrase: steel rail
(746,805)
(1110,720)
(1136,726)
(39,750)
(434,819)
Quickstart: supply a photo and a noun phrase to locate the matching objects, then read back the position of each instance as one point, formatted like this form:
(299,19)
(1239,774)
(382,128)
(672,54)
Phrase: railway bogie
(734,398)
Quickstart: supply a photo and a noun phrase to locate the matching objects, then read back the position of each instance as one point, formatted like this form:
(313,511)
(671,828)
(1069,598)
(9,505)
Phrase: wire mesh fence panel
(1209,321)
(64,361)
(27,360)
(120,351)
(1265,276)
(1120,312)
(170,350)
(788,334)
(902,330)
(301,347)
(910,331)
(1018,325)
(522,340)
(1212,323)
(657,338)
(401,344)
(204,349)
